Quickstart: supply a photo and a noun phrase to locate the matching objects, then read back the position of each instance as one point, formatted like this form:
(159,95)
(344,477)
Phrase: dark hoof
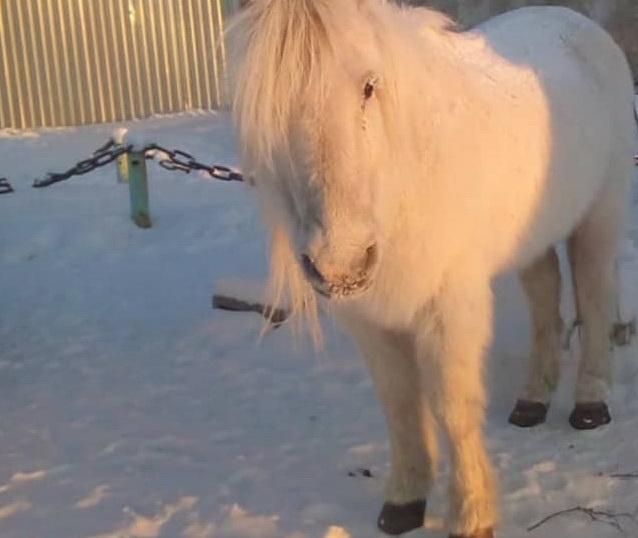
(483,533)
(588,416)
(396,519)
(527,414)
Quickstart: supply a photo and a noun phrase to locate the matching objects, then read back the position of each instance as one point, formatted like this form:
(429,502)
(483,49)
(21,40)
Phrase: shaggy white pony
(402,164)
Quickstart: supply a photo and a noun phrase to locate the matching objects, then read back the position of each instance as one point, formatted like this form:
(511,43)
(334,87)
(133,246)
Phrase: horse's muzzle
(335,284)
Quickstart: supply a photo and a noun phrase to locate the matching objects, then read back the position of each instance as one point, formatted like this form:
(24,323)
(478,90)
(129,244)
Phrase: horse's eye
(368,90)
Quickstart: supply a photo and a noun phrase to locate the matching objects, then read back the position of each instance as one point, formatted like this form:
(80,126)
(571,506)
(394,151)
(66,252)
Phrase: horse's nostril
(310,269)
(371,257)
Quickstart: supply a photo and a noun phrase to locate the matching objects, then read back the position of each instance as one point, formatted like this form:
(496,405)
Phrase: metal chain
(5,186)
(102,156)
(177,159)
(172,160)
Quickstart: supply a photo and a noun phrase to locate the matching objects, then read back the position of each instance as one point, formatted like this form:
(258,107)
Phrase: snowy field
(129,408)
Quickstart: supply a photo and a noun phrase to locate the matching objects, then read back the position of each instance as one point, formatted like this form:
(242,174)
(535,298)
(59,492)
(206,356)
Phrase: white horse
(403,164)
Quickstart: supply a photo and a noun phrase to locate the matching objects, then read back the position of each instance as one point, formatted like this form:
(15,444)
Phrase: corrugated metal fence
(73,62)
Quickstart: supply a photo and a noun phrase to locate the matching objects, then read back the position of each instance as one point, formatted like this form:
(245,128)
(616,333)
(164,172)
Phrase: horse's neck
(434,89)
(443,107)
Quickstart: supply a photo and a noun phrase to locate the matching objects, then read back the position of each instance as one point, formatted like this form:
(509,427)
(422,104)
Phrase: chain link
(177,159)
(5,186)
(102,156)
(108,152)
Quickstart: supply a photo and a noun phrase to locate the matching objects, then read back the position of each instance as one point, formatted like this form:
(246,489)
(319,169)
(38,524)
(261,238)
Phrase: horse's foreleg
(391,364)
(450,347)
(542,285)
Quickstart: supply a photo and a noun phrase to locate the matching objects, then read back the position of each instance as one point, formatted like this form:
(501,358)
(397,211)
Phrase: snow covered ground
(131,409)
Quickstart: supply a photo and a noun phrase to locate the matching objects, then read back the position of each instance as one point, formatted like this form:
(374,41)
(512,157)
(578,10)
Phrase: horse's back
(587,86)
(532,34)
(571,55)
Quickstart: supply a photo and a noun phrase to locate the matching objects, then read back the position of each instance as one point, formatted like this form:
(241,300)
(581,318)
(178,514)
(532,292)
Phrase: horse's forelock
(283,50)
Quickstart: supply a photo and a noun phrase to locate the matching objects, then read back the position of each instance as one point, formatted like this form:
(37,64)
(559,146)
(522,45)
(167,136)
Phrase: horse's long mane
(277,47)
(285,47)
(281,50)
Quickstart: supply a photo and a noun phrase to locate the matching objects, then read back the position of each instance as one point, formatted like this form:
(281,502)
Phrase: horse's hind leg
(592,249)
(391,363)
(624,327)
(542,284)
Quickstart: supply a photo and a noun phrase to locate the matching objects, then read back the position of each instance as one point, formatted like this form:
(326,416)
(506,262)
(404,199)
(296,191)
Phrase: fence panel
(74,62)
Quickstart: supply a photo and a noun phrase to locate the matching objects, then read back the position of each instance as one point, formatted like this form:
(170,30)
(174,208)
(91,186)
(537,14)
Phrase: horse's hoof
(590,415)
(396,519)
(483,533)
(527,414)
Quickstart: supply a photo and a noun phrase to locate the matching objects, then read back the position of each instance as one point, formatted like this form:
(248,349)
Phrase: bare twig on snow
(601,516)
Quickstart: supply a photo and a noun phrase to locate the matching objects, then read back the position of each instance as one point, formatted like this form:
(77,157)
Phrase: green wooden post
(138,189)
